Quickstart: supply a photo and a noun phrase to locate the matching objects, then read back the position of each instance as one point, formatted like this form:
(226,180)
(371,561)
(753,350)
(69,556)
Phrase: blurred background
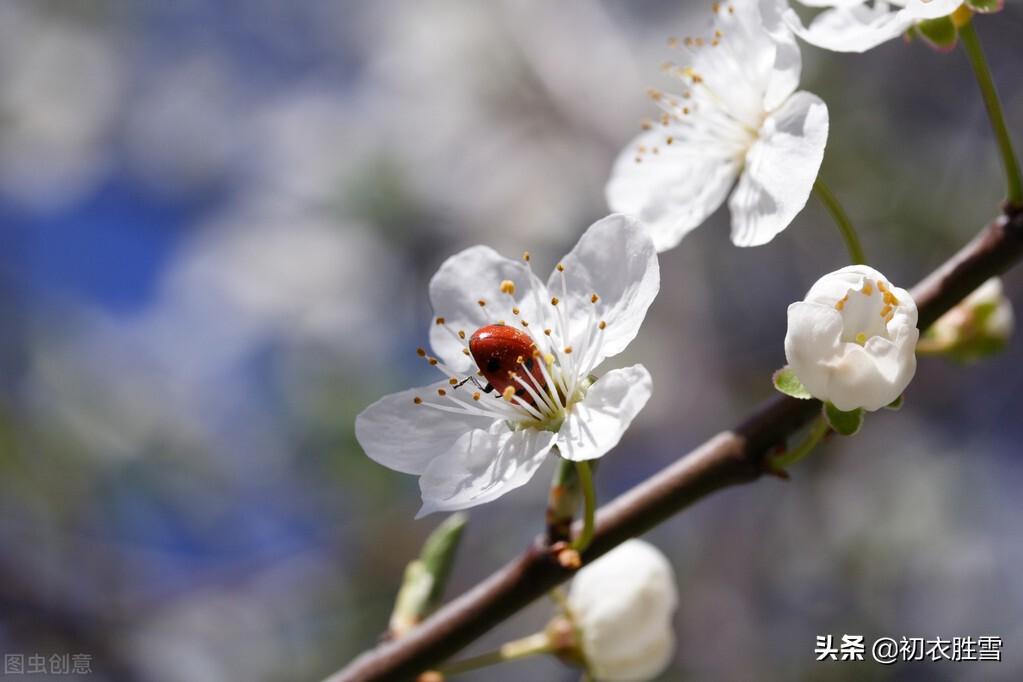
(217,221)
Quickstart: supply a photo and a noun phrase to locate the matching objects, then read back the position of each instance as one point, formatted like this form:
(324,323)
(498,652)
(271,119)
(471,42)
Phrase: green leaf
(786,381)
(985,6)
(844,423)
(895,405)
(940,33)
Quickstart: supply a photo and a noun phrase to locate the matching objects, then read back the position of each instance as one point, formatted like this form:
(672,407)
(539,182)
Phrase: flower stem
(845,226)
(589,506)
(790,457)
(562,502)
(532,645)
(975,53)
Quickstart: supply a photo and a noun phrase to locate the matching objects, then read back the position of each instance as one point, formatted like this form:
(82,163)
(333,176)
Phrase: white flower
(979,326)
(859,25)
(738,121)
(852,340)
(622,605)
(470,446)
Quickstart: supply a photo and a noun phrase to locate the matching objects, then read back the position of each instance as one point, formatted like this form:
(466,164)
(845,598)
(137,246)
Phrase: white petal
(462,281)
(813,340)
(831,3)
(851,29)
(597,423)
(672,191)
(931,9)
(481,466)
(780,170)
(616,260)
(406,437)
(788,61)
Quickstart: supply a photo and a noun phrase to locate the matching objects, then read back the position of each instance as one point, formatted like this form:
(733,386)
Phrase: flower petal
(481,466)
(616,260)
(597,423)
(856,28)
(672,191)
(406,437)
(931,9)
(813,340)
(780,170)
(465,279)
(788,61)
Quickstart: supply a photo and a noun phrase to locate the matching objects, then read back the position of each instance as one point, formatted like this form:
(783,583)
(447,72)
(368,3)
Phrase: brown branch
(729,458)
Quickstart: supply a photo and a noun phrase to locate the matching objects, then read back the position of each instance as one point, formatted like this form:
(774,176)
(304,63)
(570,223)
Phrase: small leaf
(844,423)
(940,33)
(423,584)
(895,405)
(786,381)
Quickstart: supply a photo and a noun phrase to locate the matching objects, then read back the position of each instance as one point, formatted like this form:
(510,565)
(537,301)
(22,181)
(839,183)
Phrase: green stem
(562,502)
(975,53)
(533,645)
(790,457)
(845,226)
(589,506)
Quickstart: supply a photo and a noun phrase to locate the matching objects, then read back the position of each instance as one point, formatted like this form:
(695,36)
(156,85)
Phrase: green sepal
(940,33)
(895,405)
(843,423)
(786,381)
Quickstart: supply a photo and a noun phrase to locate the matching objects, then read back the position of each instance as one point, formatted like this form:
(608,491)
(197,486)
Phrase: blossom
(852,340)
(738,121)
(469,445)
(859,25)
(979,326)
(622,605)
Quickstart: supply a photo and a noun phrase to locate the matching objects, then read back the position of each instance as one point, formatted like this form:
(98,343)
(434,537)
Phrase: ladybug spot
(493,365)
(529,365)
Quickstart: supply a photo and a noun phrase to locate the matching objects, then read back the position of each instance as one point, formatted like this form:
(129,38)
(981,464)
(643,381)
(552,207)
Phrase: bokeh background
(217,221)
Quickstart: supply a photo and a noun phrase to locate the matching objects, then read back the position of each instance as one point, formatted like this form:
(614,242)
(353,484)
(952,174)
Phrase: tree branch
(729,458)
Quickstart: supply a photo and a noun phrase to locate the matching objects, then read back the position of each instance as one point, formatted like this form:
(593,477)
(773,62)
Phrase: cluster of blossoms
(518,355)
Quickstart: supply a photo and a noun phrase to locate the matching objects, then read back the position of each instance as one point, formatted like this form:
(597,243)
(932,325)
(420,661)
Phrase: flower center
(721,105)
(538,384)
(867,311)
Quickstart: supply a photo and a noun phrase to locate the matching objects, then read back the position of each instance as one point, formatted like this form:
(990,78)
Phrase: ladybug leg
(463,381)
(488,388)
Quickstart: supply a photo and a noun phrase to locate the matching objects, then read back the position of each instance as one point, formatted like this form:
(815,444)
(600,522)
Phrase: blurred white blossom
(737,122)
(623,605)
(859,25)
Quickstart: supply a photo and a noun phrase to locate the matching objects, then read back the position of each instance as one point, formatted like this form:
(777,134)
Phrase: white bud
(623,605)
(852,340)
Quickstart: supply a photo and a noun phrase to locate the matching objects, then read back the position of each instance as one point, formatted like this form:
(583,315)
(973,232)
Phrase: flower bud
(979,326)
(852,340)
(623,605)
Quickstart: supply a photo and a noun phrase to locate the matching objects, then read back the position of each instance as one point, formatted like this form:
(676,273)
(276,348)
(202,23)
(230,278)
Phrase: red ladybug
(497,350)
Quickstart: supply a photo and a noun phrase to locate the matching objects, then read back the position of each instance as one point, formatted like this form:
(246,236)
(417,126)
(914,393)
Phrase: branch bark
(729,458)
